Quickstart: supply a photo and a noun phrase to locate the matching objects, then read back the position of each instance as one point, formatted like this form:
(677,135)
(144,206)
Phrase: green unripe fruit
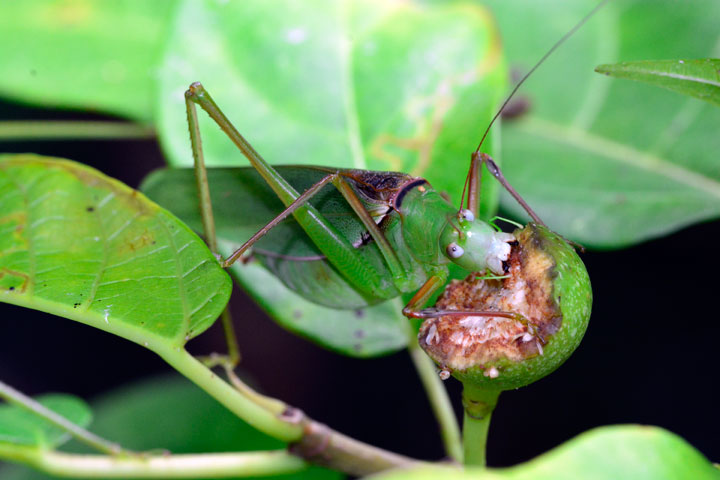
(547,288)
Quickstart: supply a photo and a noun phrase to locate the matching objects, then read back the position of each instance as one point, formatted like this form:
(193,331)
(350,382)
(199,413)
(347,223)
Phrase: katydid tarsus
(401,234)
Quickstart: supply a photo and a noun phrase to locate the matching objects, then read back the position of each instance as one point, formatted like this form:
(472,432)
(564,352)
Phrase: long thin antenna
(535,67)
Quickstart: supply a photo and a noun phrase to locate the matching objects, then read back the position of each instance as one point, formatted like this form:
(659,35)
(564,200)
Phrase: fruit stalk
(478,405)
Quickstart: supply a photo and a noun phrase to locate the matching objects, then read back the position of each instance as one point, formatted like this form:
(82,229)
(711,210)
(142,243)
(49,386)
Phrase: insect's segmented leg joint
(194,91)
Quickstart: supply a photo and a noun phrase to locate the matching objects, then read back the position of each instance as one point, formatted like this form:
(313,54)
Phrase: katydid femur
(401,236)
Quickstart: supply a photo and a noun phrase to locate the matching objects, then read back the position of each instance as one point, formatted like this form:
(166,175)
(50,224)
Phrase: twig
(23,401)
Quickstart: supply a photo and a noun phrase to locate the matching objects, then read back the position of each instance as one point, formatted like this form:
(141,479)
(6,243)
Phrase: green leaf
(243,205)
(172,414)
(618,452)
(365,84)
(84,54)
(20,427)
(697,78)
(80,245)
(603,162)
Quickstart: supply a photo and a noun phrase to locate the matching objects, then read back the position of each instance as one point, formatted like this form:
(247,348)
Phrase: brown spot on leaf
(14,280)
(139,242)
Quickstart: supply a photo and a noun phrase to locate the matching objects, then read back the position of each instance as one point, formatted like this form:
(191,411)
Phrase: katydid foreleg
(493,168)
(414,307)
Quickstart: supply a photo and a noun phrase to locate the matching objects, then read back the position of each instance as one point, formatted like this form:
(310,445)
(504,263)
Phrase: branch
(17,130)
(210,465)
(309,439)
(23,401)
(324,446)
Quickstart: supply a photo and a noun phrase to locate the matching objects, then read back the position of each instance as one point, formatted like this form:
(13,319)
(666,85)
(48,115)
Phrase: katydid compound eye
(454,250)
(467,215)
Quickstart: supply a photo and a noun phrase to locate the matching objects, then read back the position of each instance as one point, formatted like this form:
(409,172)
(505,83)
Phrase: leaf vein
(619,152)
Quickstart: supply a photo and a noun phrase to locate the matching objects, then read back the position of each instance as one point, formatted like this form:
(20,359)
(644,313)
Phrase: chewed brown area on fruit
(462,342)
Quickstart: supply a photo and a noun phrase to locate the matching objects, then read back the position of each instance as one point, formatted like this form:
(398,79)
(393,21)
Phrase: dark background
(649,355)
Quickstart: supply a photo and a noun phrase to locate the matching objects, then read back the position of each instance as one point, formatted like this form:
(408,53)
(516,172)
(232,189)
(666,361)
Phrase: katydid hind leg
(338,250)
(203,187)
(233,356)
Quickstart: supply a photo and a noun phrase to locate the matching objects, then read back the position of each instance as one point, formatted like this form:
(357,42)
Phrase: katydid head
(474,245)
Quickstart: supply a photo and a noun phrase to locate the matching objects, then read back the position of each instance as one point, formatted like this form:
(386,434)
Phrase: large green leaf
(244,205)
(20,427)
(605,162)
(697,78)
(366,84)
(608,453)
(83,54)
(78,244)
(170,413)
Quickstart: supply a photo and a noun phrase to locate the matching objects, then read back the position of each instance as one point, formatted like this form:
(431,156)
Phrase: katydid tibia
(399,235)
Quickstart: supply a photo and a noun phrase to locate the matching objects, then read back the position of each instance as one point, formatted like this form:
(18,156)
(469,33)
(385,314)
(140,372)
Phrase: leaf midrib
(678,76)
(577,138)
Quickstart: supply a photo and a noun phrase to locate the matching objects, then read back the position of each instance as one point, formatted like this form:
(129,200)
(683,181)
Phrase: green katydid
(367,236)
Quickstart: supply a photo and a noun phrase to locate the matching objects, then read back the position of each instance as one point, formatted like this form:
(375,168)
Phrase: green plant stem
(478,404)
(72,130)
(324,446)
(244,406)
(309,439)
(211,465)
(439,400)
(23,401)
